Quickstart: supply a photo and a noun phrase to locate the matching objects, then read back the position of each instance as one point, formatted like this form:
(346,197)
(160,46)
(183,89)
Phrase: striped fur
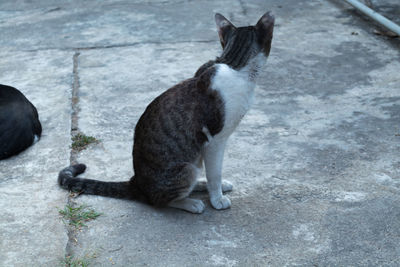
(240,49)
(67,180)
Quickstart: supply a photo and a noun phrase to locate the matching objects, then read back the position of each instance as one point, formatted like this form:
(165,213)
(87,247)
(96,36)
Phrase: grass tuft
(78,216)
(69,261)
(81,141)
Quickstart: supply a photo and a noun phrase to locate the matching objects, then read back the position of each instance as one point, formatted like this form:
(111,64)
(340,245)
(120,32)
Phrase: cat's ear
(265,28)
(225,27)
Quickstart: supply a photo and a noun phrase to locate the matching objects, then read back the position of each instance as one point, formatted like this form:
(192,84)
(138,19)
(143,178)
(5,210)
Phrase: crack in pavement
(77,49)
(73,154)
(243,7)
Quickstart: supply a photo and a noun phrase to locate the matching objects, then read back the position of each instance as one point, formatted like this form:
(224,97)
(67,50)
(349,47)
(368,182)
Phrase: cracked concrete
(315,163)
(30,228)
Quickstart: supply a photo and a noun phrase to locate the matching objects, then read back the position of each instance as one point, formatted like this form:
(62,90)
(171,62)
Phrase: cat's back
(14,104)
(12,99)
(171,128)
(10,95)
(19,122)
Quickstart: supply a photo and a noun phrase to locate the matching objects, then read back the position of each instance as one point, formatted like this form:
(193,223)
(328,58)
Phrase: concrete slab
(31,231)
(78,24)
(314,164)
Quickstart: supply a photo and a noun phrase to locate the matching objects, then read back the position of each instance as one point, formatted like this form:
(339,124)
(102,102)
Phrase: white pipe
(375,16)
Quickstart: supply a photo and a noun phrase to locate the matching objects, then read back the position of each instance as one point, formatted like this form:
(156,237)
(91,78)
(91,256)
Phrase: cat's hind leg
(188,204)
(189,174)
(174,189)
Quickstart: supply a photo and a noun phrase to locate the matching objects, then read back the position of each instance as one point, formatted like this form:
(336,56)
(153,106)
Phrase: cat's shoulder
(204,76)
(227,79)
(204,68)
(220,77)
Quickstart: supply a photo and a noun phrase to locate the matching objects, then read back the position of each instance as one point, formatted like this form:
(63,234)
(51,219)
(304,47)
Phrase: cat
(188,124)
(19,122)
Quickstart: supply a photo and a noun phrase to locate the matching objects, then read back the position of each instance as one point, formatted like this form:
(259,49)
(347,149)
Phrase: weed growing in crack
(77,217)
(70,261)
(81,141)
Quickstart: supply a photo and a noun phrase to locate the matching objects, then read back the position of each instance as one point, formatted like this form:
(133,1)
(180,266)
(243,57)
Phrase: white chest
(237,92)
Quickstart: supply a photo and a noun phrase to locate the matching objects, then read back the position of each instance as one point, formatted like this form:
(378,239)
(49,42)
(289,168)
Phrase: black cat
(19,122)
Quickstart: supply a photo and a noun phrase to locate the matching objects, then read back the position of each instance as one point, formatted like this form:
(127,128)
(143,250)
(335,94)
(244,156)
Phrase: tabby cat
(19,122)
(188,124)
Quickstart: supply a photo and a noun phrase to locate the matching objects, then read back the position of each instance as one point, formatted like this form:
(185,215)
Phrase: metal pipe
(375,16)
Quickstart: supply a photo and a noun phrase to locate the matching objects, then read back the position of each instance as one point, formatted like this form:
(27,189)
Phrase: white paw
(188,204)
(221,203)
(195,206)
(226,186)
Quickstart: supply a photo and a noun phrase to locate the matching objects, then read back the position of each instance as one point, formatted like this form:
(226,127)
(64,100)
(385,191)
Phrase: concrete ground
(315,164)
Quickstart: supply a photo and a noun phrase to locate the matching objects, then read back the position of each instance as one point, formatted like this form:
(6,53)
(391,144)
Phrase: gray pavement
(315,164)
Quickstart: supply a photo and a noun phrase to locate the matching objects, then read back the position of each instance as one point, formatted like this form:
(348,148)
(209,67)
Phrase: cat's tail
(67,180)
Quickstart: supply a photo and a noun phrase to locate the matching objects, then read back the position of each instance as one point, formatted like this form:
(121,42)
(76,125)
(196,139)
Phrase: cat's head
(245,42)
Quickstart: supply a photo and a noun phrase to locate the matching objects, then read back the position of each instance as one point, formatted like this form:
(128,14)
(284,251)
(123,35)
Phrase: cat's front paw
(221,203)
